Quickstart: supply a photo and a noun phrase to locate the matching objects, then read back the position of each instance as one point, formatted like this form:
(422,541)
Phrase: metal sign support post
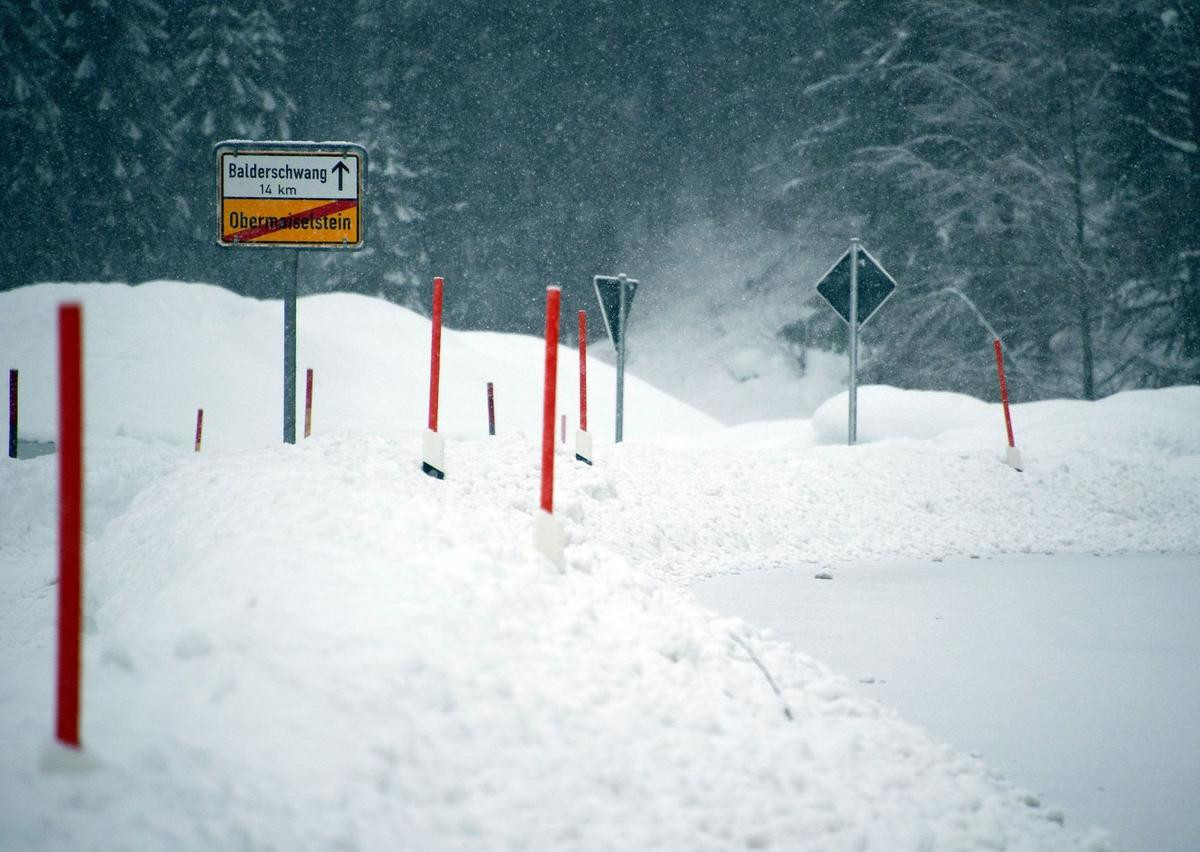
(289,352)
(621,361)
(855,287)
(283,195)
(852,429)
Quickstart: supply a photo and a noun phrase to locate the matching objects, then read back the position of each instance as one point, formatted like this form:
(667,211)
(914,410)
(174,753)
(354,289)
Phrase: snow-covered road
(1076,674)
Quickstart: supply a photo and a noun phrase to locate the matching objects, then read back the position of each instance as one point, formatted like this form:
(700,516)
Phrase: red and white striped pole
(199,427)
(70,522)
(547,533)
(308,390)
(433,445)
(1013,455)
(583,441)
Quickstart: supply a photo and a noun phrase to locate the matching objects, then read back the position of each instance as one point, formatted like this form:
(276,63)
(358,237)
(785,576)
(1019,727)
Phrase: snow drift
(317,647)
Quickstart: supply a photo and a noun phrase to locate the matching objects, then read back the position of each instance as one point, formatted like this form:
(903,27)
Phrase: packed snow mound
(159,351)
(888,412)
(317,647)
(1121,475)
(1154,421)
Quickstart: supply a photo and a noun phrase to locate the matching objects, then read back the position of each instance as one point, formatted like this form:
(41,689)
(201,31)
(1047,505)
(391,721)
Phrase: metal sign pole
(852,431)
(289,352)
(621,359)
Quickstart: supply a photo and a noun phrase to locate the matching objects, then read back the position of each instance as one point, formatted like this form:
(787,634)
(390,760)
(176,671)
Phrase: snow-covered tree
(30,122)
(1159,72)
(974,140)
(88,83)
(229,82)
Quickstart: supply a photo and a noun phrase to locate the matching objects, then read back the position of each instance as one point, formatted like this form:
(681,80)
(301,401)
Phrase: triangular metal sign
(608,291)
(875,285)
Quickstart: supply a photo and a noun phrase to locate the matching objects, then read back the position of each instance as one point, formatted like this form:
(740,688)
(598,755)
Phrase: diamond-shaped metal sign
(608,291)
(875,285)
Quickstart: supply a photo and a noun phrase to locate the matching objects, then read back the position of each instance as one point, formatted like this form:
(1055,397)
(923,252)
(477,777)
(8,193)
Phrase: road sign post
(616,297)
(297,195)
(620,426)
(289,352)
(852,346)
(856,286)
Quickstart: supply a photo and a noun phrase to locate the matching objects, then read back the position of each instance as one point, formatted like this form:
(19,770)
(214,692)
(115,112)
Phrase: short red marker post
(583,441)
(433,445)
(70,522)
(1013,455)
(308,393)
(548,534)
(199,427)
(491,406)
(12,414)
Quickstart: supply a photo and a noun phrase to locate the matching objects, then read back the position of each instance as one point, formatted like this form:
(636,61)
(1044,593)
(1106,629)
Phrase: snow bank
(158,351)
(316,647)
(1138,422)
(887,412)
(1121,475)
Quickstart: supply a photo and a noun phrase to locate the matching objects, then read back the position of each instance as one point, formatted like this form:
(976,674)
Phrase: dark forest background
(1030,167)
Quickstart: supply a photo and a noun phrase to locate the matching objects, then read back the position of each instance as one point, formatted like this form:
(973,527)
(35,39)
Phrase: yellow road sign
(290,194)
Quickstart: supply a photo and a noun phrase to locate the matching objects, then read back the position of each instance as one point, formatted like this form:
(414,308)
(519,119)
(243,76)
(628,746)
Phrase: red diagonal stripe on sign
(312,213)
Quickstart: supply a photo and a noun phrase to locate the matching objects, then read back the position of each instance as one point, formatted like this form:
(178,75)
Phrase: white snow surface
(1081,668)
(317,647)
(161,350)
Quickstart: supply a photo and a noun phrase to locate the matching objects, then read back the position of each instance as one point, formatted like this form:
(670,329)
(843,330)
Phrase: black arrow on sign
(340,169)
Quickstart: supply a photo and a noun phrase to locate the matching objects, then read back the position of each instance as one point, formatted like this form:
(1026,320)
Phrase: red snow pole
(547,534)
(491,399)
(199,426)
(12,414)
(435,355)
(308,382)
(549,390)
(433,446)
(583,371)
(70,521)
(1012,453)
(583,441)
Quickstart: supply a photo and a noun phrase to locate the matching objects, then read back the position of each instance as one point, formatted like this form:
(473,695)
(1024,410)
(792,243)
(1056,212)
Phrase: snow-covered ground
(317,647)
(1074,673)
